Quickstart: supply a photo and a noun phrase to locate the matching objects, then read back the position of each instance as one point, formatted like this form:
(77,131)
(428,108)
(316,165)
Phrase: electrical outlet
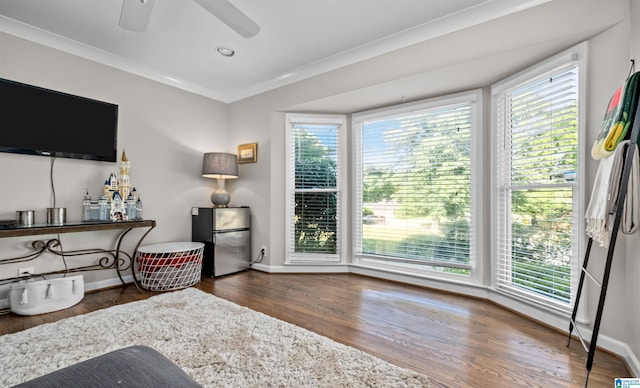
(263,250)
(25,271)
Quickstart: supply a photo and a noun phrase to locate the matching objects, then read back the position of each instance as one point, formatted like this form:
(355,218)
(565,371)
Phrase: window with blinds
(314,163)
(414,185)
(537,203)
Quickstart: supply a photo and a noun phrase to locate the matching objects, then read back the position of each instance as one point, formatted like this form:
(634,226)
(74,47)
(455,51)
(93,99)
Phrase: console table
(113,258)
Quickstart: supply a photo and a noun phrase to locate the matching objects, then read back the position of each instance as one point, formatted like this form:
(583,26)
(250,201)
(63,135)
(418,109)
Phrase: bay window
(414,189)
(537,203)
(315,189)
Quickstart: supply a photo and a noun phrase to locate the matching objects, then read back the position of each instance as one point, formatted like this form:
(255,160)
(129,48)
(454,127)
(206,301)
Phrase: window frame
(475,99)
(295,258)
(578,56)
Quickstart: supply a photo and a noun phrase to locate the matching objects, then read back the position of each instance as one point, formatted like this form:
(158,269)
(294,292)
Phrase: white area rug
(218,343)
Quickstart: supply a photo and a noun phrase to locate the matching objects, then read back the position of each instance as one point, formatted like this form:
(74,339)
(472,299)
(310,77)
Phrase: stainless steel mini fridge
(226,234)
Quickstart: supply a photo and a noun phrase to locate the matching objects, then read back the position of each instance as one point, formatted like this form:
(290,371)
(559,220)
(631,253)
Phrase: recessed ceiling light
(225,51)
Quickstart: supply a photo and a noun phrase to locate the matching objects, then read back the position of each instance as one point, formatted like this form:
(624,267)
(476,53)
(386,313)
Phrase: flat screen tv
(39,121)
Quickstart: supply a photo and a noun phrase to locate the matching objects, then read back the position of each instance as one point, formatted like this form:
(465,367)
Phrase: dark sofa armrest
(134,366)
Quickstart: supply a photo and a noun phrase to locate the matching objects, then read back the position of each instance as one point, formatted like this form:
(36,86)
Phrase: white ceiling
(298,38)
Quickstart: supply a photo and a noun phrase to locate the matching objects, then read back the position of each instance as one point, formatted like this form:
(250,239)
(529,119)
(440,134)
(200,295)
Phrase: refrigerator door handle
(229,230)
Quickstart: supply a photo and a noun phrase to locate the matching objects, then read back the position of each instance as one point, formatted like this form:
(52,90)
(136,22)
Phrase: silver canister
(56,215)
(25,217)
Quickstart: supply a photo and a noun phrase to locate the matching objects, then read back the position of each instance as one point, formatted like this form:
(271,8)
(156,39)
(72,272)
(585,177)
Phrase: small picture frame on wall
(248,153)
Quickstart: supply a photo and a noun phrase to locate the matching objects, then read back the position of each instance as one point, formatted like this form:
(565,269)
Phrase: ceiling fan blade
(135,14)
(231,16)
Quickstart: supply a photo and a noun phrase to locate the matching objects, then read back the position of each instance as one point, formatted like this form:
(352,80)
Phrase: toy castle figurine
(118,211)
(124,186)
(118,191)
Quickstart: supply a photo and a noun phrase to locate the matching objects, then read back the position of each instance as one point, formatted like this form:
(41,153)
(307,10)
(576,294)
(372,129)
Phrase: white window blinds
(413,190)
(314,189)
(537,198)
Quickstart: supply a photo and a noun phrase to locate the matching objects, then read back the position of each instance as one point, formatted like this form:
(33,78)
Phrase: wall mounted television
(39,121)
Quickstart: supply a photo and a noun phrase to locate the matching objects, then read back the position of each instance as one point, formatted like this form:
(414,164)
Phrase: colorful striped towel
(618,118)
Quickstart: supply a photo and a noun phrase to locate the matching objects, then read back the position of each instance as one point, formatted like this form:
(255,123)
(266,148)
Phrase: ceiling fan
(135,15)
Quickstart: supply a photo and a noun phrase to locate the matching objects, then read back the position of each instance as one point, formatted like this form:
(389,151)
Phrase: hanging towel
(618,118)
(604,196)
(613,111)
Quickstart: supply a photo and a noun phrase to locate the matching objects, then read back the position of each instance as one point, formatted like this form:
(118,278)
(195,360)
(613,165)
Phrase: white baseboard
(632,361)
(302,268)
(107,283)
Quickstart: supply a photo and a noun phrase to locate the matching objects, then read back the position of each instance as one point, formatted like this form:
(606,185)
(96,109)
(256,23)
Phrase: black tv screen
(39,121)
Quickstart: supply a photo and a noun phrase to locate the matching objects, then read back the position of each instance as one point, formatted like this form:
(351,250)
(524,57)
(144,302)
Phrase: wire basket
(169,266)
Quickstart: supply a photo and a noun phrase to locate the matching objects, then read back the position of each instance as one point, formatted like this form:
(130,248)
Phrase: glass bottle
(139,208)
(86,206)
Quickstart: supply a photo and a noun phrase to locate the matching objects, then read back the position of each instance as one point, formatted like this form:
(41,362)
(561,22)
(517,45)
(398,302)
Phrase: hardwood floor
(455,340)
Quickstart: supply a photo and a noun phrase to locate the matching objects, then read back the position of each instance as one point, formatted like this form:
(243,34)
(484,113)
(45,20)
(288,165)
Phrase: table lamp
(221,166)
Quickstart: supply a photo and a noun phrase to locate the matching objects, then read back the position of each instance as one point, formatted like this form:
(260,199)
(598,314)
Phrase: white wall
(164,130)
